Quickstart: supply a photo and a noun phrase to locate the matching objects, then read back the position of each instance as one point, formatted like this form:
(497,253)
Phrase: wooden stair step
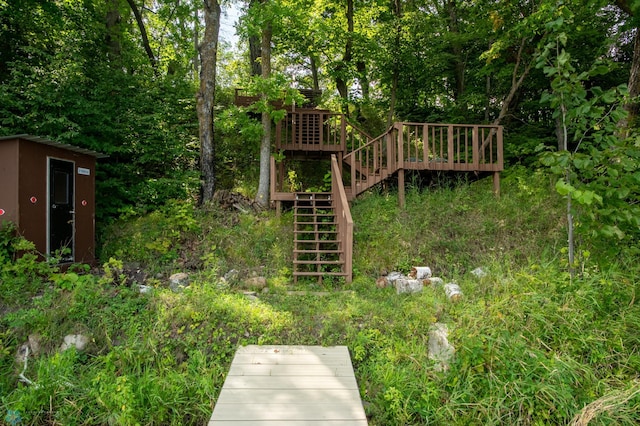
(318,273)
(318,262)
(315,218)
(318,241)
(333,222)
(302,231)
(321,251)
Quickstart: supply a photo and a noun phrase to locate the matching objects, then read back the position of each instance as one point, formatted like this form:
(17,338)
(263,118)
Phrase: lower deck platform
(292,385)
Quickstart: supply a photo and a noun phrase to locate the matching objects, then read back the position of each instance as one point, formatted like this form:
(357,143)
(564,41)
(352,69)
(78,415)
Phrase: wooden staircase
(323,223)
(318,246)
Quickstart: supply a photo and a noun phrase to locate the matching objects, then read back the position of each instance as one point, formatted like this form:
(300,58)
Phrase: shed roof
(49,142)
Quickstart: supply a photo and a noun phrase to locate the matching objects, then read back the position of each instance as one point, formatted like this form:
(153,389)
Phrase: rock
(479,272)
(404,285)
(144,289)
(382,282)
(29,348)
(23,353)
(265,290)
(251,296)
(420,272)
(453,291)
(393,276)
(256,282)
(78,341)
(436,281)
(177,282)
(440,350)
(34,343)
(231,276)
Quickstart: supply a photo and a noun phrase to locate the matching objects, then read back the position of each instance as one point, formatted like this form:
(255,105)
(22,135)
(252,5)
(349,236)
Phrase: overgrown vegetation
(533,346)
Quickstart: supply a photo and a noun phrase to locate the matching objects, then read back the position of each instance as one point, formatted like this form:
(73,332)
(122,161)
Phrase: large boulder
(440,350)
(178,282)
(79,341)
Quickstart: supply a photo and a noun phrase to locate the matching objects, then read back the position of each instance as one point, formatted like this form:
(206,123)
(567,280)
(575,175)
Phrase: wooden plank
(292,385)
(290,370)
(287,382)
(267,396)
(289,423)
(309,411)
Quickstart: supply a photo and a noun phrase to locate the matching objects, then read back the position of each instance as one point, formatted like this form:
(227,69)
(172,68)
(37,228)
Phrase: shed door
(61,214)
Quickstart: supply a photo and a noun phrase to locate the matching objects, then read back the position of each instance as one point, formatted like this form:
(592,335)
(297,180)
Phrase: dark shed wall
(33,183)
(85,210)
(9,181)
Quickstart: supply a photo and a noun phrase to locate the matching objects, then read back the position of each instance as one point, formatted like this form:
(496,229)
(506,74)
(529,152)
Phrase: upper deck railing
(426,146)
(309,130)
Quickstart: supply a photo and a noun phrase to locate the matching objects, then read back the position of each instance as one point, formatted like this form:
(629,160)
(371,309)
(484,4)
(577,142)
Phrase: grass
(533,345)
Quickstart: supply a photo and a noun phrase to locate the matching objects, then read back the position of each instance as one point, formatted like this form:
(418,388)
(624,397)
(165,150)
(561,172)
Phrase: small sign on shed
(47,189)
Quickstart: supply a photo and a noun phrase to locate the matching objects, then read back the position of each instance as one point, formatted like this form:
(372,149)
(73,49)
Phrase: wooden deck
(290,385)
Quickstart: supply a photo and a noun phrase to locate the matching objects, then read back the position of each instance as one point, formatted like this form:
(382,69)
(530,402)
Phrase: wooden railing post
(272,178)
(400,144)
(425,143)
(500,147)
(450,150)
(343,133)
(278,133)
(475,146)
(323,118)
(343,216)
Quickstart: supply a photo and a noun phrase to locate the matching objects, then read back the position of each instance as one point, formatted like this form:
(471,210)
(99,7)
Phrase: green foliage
(532,345)
(153,239)
(61,80)
(389,238)
(22,273)
(598,167)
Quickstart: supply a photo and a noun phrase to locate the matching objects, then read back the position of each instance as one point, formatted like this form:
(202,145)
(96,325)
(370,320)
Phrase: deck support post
(401,188)
(278,208)
(496,184)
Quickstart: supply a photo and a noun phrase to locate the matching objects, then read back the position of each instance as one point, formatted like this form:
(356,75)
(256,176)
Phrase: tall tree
(262,197)
(143,33)
(631,8)
(208,50)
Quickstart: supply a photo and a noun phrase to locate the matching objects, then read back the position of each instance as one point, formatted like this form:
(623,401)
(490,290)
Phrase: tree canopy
(121,77)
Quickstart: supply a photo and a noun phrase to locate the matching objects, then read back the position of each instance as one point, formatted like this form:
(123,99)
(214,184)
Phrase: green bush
(533,345)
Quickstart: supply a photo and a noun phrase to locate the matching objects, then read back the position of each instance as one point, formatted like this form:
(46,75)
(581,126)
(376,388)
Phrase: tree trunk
(314,72)
(634,73)
(516,82)
(262,198)
(456,49)
(392,98)
(143,33)
(112,23)
(634,85)
(397,10)
(342,69)
(196,42)
(206,95)
(361,66)
(255,53)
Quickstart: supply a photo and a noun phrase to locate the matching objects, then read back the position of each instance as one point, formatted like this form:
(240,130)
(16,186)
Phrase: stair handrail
(385,156)
(362,133)
(372,141)
(343,216)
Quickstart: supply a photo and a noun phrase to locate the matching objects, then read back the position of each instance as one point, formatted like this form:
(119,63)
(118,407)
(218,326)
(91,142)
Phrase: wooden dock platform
(290,385)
